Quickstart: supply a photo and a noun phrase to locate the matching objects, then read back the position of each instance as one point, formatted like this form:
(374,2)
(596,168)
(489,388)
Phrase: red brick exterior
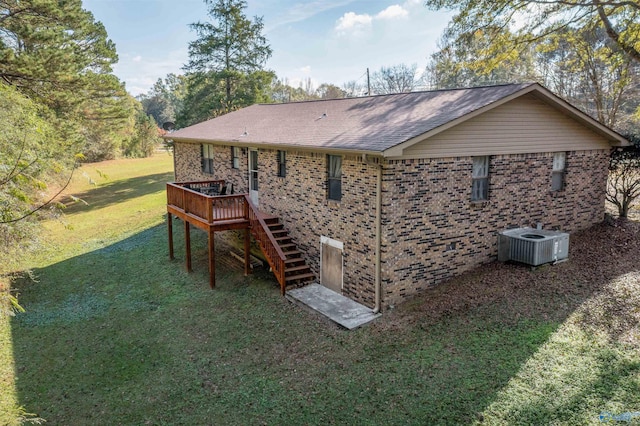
(427,208)
(300,200)
(431,230)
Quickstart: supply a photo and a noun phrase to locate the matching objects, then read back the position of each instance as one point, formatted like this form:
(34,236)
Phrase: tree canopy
(531,20)
(225,68)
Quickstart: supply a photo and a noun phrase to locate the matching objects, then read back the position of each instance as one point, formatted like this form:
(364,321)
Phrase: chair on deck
(227,188)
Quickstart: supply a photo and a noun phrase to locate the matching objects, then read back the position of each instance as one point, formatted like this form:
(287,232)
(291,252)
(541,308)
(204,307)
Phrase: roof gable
(378,124)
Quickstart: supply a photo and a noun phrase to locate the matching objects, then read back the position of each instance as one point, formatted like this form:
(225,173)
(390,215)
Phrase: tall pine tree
(226,62)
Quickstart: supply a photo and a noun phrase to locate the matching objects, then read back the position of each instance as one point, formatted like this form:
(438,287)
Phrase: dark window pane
(479,189)
(335,189)
(557,181)
(282,163)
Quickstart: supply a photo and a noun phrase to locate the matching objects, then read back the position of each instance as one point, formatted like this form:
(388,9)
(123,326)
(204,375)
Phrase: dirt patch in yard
(601,281)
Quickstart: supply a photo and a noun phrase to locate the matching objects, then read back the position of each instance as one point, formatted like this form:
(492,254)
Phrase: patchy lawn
(114,333)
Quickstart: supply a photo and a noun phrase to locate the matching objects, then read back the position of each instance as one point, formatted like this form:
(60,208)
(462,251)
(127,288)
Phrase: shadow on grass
(117,192)
(123,336)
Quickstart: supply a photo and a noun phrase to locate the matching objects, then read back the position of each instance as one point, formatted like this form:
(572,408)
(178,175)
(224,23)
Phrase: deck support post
(212,260)
(170,230)
(187,243)
(247,252)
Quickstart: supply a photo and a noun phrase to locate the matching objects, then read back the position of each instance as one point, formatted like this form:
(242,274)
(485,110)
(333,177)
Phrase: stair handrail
(264,236)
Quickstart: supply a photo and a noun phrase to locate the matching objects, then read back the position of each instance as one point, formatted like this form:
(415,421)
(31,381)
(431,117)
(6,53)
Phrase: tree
(456,63)
(623,187)
(329,91)
(229,48)
(532,20)
(34,156)
(165,99)
(353,89)
(590,71)
(395,79)
(145,139)
(205,95)
(55,53)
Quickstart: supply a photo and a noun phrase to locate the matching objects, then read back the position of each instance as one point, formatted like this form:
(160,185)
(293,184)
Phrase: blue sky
(329,41)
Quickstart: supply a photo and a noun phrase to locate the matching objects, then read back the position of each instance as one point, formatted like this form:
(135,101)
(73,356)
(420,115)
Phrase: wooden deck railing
(268,244)
(228,207)
(192,199)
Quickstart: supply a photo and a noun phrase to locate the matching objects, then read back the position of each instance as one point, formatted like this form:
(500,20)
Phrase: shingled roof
(367,124)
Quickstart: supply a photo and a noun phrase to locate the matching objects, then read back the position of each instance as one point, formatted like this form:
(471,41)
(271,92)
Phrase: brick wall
(188,165)
(300,200)
(432,231)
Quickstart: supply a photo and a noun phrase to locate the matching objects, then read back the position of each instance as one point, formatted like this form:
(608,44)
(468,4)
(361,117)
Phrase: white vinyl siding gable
(524,125)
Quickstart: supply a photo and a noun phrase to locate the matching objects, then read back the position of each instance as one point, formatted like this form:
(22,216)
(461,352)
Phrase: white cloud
(306,69)
(393,12)
(351,21)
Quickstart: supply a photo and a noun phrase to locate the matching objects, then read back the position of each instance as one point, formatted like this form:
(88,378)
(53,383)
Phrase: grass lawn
(114,333)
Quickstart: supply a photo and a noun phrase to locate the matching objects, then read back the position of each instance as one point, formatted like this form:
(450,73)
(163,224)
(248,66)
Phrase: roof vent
(533,246)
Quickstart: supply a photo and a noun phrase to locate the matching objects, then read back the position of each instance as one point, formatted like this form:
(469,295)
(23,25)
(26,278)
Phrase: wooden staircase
(281,252)
(296,270)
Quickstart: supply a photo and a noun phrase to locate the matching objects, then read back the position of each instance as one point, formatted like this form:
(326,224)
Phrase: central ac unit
(533,246)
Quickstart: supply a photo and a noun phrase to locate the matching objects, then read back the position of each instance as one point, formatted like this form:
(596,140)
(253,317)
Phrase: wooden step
(292,252)
(284,247)
(300,277)
(293,260)
(296,268)
(268,219)
(283,238)
(279,231)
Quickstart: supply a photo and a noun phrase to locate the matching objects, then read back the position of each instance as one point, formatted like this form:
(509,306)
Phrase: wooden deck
(202,205)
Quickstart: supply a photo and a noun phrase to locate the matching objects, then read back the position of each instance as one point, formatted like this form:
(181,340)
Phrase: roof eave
(279,146)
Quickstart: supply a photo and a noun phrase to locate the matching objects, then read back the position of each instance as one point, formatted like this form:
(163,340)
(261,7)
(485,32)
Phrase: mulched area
(603,266)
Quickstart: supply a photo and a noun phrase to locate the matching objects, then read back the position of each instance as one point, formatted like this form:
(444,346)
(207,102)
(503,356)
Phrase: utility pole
(368,83)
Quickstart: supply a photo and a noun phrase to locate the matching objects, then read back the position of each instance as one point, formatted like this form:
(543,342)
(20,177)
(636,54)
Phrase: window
(235,157)
(480,177)
(334,175)
(282,163)
(559,168)
(206,155)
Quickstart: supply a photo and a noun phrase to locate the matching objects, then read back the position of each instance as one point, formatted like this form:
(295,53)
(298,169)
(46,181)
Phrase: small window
(559,168)
(206,152)
(480,177)
(334,177)
(235,157)
(282,163)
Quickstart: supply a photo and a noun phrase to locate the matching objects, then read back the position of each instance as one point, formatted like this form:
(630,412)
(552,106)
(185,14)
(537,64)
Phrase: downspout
(378,258)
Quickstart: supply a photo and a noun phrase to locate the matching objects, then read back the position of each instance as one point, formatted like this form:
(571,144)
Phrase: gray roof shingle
(374,123)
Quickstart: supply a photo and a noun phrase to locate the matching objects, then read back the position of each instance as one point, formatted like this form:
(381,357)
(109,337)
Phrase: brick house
(387,195)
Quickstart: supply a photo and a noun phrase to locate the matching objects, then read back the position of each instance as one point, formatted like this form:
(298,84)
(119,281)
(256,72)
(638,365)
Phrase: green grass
(115,333)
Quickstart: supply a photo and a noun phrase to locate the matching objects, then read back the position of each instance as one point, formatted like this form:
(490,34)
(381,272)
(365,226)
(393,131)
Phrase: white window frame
(334,177)
(559,170)
(480,178)
(235,157)
(208,154)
